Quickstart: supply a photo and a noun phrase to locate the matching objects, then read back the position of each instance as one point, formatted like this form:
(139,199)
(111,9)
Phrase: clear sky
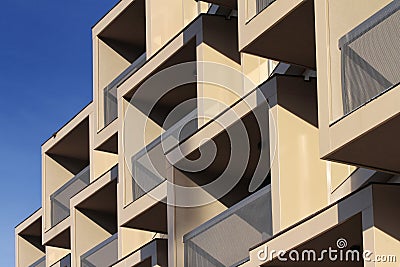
(45,79)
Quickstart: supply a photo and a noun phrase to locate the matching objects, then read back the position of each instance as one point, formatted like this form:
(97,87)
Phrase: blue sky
(45,79)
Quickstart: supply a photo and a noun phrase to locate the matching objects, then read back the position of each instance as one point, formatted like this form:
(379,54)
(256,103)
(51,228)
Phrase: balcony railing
(254,7)
(149,166)
(156,250)
(110,92)
(225,240)
(370,58)
(60,199)
(39,263)
(64,262)
(103,255)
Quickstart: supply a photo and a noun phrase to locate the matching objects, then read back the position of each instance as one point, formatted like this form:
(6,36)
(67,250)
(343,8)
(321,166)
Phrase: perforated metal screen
(64,262)
(39,263)
(150,165)
(110,105)
(110,92)
(60,199)
(103,255)
(226,239)
(262,4)
(371,57)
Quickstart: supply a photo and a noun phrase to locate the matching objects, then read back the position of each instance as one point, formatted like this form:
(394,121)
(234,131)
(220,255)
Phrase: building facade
(229,133)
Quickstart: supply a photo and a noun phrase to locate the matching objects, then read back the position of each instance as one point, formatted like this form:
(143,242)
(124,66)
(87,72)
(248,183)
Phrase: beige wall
(161,26)
(184,220)
(214,98)
(54,254)
(381,244)
(381,234)
(338,173)
(88,234)
(256,69)
(55,176)
(26,253)
(102,162)
(298,176)
(132,239)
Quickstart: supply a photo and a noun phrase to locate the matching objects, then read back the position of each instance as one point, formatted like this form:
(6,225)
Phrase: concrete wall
(88,234)
(102,162)
(132,239)
(55,254)
(108,65)
(26,253)
(184,219)
(298,176)
(161,26)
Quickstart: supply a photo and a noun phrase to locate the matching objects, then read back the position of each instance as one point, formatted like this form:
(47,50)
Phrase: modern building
(229,133)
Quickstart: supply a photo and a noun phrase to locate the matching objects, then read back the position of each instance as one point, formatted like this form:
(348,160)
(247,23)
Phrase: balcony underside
(351,230)
(374,149)
(290,40)
(154,253)
(72,151)
(128,41)
(33,234)
(62,240)
(224,154)
(166,103)
(101,207)
(152,219)
(360,219)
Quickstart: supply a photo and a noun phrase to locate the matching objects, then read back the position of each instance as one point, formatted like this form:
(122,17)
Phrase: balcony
(60,199)
(149,166)
(119,43)
(110,92)
(29,250)
(216,136)
(240,227)
(103,255)
(197,42)
(64,262)
(65,157)
(360,219)
(278,30)
(363,117)
(154,253)
(370,58)
(39,263)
